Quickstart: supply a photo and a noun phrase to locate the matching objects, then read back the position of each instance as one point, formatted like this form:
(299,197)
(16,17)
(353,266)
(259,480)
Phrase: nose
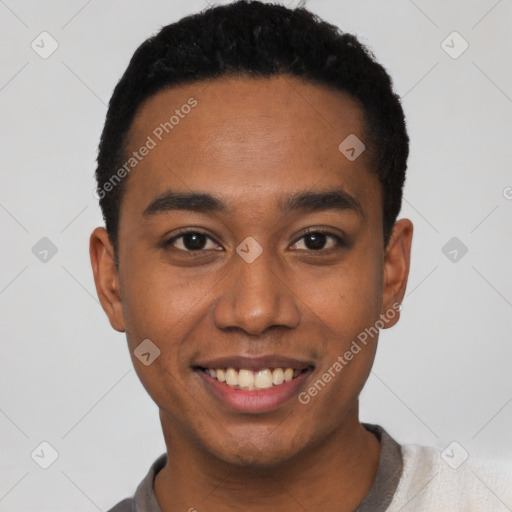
(255,297)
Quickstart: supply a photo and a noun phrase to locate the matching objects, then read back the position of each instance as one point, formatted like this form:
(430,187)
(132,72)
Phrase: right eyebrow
(190,201)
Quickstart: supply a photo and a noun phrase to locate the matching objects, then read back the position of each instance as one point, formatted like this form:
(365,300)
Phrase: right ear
(106,277)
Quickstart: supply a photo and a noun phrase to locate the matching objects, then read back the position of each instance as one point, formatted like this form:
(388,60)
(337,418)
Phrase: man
(250,174)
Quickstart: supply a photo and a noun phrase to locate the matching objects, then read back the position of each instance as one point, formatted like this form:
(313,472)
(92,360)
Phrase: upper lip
(254,363)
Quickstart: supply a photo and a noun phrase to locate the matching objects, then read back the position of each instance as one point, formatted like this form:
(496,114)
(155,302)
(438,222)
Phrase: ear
(106,277)
(396,270)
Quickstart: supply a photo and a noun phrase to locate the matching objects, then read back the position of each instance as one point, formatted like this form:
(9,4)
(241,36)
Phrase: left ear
(396,270)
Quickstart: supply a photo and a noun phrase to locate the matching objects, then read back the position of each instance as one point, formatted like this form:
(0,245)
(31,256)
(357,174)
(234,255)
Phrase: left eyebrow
(335,199)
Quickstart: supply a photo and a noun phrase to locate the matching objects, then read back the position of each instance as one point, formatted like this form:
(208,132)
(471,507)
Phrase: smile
(249,380)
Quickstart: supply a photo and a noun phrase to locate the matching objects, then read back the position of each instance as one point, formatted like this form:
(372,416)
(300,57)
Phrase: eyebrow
(334,199)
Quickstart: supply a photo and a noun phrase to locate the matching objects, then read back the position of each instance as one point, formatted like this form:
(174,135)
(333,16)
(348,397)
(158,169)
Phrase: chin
(256,454)
(257,460)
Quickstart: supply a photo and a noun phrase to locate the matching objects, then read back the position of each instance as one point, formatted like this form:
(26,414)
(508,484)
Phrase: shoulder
(144,498)
(435,480)
(123,506)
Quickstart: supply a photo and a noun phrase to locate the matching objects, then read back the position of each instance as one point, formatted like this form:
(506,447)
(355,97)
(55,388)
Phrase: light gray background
(442,374)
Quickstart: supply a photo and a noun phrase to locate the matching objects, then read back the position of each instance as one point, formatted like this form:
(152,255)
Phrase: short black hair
(258,40)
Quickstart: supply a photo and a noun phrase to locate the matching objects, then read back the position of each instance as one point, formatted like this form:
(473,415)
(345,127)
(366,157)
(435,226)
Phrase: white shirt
(431,482)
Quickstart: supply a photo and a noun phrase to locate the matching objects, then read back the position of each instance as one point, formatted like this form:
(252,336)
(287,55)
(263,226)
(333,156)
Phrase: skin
(250,142)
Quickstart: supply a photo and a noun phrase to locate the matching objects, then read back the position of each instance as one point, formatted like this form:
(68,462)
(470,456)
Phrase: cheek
(348,299)
(165,305)
(349,307)
(348,303)
(160,306)
(158,298)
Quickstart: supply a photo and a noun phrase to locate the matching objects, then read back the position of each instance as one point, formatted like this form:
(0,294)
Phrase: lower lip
(257,401)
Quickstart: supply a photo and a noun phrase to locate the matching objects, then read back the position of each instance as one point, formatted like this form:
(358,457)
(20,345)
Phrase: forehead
(256,138)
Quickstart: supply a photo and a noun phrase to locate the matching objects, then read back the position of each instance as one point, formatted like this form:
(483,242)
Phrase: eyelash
(340,243)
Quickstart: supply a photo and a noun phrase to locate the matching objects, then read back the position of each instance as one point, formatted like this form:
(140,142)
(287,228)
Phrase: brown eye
(317,241)
(194,241)
(191,241)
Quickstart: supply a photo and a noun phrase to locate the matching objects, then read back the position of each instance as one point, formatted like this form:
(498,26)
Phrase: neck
(335,474)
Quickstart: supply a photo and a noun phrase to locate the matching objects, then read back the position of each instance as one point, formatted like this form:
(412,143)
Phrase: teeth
(245,379)
(231,377)
(263,379)
(249,380)
(278,376)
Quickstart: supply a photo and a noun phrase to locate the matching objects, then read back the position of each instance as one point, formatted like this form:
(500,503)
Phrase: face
(277,263)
